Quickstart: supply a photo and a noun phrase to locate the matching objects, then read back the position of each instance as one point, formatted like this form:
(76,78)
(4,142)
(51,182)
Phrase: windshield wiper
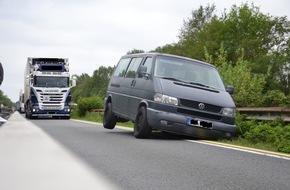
(174,79)
(199,84)
(193,83)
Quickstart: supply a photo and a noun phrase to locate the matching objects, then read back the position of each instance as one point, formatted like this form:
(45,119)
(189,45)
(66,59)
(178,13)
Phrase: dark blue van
(170,93)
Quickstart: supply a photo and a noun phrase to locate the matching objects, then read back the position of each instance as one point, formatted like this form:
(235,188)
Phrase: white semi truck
(47,88)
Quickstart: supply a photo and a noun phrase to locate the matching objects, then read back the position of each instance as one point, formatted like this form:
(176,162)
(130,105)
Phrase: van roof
(154,54)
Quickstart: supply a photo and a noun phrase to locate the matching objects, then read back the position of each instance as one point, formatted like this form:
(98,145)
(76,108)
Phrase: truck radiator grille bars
(51,101)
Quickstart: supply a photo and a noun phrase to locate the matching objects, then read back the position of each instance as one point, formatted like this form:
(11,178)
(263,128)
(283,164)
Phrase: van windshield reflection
(189,72)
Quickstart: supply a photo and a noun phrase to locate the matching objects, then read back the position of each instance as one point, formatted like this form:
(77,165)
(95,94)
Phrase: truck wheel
(141,127)
(109,120)
(27,114)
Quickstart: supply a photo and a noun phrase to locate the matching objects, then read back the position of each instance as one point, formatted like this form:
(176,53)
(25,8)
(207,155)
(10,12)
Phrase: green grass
(245,143)
(98,118)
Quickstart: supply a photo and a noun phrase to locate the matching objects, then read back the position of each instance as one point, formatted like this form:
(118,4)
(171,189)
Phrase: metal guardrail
(266,113)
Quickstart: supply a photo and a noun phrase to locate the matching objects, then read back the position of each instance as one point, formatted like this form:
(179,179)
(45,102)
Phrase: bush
(273,133)
(89,103)
(283,139)
(262,133)
(244,125)
(274,98)
(248,86)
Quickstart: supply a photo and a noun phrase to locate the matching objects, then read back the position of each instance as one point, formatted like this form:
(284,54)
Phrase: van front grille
(194,104)
(199,114)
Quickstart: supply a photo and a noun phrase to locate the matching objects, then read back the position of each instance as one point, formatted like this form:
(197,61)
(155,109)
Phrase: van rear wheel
(141,127)
(109,120)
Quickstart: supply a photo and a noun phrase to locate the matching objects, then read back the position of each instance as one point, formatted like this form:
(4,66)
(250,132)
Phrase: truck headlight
(165,99)
(229,112)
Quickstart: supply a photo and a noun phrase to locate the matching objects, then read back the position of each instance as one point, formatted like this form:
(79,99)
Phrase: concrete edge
(31,160)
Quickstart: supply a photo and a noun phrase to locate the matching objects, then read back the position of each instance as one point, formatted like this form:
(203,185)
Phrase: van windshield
(188,71)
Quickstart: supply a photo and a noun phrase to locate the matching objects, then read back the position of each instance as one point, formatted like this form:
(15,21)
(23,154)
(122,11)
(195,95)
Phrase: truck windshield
(59,82)
(188,71)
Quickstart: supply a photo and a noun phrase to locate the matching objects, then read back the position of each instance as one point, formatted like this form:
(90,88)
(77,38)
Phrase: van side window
(122,67)
(133,67)
(148,64)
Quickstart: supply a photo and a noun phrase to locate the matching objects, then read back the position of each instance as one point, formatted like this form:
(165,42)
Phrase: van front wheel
(141,127)
(109,120)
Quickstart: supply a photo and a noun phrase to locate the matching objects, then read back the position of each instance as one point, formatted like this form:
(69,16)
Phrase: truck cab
(47,88)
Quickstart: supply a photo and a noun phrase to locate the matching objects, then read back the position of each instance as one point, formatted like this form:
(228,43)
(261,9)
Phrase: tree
(100,79)
(248,86)
(82,88)
(92,86)
(133,51)
(5,100)
(262,39)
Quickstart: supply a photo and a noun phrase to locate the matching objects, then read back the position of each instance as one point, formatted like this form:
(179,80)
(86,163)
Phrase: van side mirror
(142,71)
(230,89)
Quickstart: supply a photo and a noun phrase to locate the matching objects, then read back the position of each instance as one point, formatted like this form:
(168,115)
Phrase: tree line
(4,100)
(250,49)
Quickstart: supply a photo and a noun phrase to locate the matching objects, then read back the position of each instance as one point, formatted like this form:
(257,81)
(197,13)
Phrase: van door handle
(133,82)
(115,85)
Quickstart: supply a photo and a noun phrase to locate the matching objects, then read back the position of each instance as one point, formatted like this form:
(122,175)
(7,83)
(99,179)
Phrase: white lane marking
(243,149)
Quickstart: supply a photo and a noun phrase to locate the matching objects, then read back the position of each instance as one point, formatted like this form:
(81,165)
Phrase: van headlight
(229,112)
(165,99)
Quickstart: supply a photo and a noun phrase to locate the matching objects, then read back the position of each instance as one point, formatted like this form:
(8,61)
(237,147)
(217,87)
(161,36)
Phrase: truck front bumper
(50,113)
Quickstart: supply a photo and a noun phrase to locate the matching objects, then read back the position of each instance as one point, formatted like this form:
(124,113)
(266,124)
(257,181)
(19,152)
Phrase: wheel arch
(143,103)
(109,99)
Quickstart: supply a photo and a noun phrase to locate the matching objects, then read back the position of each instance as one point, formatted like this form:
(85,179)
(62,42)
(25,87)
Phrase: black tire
(141,127)
(109,120)
(27,113)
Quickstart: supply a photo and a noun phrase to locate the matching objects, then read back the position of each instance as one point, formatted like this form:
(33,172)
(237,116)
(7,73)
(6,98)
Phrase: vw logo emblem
(201,106)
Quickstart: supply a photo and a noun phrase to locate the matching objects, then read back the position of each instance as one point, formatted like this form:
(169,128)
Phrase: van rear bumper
(178,123)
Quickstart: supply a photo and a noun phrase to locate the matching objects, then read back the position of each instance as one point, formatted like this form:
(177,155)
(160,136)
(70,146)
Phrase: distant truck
(47,88)
(21,101)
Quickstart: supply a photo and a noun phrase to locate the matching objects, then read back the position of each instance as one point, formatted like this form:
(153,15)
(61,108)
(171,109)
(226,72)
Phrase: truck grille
(51,101)
(47,98)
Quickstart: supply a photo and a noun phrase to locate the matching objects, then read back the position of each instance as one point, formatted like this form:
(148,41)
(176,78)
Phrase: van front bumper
(182,124)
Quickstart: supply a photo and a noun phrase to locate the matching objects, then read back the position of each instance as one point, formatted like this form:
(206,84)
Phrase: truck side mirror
(73,82)
(230,89)
(27,80)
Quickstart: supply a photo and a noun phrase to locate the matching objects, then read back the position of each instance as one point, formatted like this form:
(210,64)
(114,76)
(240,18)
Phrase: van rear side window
(122,67)
(132,70)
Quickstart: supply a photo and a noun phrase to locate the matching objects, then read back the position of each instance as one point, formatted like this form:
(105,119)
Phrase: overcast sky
(92,33)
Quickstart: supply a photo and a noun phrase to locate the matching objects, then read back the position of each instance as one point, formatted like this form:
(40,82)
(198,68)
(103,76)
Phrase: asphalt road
(166,161)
